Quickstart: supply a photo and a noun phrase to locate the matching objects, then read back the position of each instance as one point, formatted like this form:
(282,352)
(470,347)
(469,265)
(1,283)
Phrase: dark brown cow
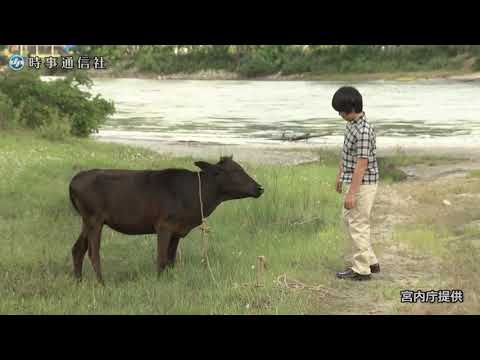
(163,202)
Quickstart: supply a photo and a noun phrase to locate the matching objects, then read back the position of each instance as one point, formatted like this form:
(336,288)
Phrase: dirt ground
(433,196)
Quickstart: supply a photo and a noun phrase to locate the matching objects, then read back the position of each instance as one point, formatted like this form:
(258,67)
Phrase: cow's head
(233,181)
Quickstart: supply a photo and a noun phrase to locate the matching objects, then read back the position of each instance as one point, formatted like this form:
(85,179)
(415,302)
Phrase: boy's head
(348,102)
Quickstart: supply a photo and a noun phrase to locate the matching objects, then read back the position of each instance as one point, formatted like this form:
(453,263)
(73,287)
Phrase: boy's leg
(346,214)
(358,225)
(372,195)
(372,257)
(346,230)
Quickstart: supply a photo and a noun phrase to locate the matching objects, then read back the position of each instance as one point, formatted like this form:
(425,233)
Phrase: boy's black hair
(347,99)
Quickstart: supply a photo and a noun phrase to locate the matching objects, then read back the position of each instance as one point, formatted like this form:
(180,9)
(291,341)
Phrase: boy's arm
(358,173)
(338,183)
(357,177)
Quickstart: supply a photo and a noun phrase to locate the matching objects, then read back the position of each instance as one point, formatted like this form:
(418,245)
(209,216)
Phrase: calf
(164,202)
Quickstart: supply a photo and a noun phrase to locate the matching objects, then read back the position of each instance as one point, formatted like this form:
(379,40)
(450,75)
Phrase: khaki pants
(357,228)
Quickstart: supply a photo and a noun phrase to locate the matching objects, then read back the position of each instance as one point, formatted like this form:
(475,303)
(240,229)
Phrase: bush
(296,66)
(261,60)
(39,102)
(255,65)
(9,116)
(295,63)
(57,128)
(476,65)
(33,113)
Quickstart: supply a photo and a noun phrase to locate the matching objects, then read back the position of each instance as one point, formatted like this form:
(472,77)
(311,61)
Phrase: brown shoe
(352,275)
(375,268)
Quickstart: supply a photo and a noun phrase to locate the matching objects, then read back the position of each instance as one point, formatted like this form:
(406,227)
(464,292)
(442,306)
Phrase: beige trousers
(357,228)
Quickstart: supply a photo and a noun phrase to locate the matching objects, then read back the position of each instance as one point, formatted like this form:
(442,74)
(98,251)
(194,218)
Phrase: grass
(447,236)
(474,173)
(399,157)
(295,225)
(457,267)
(297,229)
(423,238)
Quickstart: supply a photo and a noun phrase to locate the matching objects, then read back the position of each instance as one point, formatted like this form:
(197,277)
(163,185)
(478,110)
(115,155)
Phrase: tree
(3,59)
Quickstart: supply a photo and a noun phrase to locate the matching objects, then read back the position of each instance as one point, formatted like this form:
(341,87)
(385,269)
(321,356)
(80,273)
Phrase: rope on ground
(289,283)
(295,223)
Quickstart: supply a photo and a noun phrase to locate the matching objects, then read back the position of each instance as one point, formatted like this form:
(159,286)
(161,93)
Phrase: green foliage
(474,173)
(255,66)
(261,60)
(389,171)
(33,112)
(9,116)
(40,103)
(164,60)
(476,65)
(367,59)
(295,62)
(3,59)
(56,129)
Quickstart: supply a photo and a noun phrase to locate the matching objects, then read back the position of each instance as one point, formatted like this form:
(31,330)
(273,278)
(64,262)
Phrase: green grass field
(295,225)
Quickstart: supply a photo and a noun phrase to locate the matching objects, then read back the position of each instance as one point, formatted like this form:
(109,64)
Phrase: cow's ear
(226,158)
(203,165)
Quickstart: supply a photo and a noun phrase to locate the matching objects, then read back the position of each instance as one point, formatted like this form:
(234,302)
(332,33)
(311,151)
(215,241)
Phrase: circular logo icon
(16,62)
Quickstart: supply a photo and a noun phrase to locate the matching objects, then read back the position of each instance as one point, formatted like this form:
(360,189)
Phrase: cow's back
(129,201)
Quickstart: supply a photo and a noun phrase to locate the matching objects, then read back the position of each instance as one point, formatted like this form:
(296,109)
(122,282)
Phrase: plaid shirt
(360,142)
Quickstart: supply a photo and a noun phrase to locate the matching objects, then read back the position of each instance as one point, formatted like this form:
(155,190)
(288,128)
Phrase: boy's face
(348,116)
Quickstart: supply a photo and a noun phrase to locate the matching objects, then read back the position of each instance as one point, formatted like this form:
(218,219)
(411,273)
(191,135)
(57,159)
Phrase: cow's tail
(72,199)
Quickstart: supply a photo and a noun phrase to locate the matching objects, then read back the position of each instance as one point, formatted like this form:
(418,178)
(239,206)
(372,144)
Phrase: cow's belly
(132,229)
(131,220)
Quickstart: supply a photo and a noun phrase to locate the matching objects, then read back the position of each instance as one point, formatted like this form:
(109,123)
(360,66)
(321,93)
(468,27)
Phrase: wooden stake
(261,268)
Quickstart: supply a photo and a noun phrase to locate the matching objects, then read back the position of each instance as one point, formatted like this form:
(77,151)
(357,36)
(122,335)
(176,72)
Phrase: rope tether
(205,230)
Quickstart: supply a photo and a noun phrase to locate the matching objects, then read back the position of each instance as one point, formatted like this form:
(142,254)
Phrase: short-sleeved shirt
(360,142)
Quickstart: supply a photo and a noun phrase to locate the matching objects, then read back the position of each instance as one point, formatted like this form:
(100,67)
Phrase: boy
(359,171)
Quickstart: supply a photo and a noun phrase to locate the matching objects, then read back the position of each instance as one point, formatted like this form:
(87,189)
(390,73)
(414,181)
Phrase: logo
(16,62)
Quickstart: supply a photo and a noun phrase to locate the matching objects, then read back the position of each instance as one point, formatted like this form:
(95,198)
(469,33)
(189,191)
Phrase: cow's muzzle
(260,191)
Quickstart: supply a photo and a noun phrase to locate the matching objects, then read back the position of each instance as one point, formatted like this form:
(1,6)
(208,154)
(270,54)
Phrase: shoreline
(210,75)
(293,154)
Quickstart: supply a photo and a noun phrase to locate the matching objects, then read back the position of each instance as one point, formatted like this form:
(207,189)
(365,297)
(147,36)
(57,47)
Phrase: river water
(425,113)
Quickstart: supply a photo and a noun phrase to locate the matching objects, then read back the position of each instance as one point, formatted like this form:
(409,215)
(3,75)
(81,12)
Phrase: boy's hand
(349,201)
(338,185)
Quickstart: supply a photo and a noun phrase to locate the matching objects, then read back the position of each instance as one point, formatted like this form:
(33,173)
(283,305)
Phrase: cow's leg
(78,252)
(172,250)
(163,241)
(94,236)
